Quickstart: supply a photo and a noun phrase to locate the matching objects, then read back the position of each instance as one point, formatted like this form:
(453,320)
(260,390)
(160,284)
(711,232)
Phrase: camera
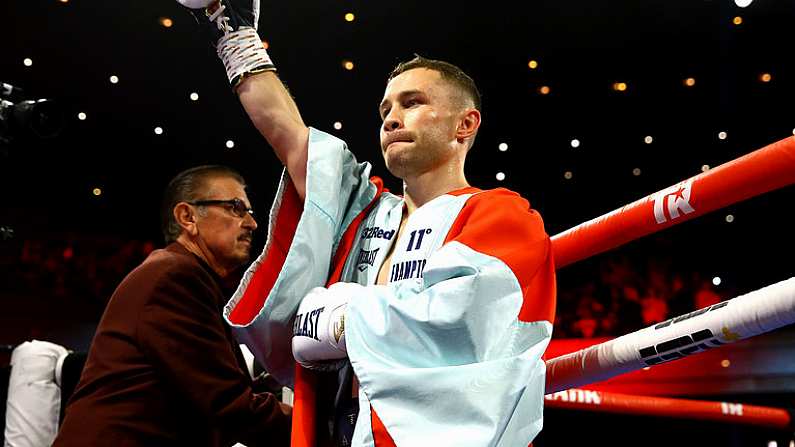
(40,118)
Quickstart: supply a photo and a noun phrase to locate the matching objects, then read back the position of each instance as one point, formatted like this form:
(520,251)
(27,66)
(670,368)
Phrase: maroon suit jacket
(165,370)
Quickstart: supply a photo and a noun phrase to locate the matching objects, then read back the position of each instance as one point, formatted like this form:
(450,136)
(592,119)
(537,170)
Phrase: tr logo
(675,200)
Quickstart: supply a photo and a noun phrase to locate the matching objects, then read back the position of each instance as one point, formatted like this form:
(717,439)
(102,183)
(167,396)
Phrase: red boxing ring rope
(736,413)
(753,174)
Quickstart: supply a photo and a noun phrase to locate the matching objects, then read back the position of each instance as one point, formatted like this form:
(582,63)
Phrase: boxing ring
(758,312)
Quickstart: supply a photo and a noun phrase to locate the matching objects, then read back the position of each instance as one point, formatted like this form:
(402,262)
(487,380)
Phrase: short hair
(188,186)
(448,71)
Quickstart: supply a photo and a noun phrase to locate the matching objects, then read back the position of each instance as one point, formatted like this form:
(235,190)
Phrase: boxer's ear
(468,124)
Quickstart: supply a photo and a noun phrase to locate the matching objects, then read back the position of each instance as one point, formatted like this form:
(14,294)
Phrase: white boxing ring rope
(742,317)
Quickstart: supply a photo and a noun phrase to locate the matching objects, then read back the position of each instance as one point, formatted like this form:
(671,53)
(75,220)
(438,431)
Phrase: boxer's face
(420,114)
(225,233)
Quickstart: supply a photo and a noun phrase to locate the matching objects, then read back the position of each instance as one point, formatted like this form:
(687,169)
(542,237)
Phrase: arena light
(348,65)
(230,144)
(532,64)
(689,82)
(568,175)
(27,61)
(97,192)
(349,17)
(648,139)
(500,176)
(716,281)
(82,116)
(636,172)
(337,125)
(158,130)
(704,168)
(743,3)
(722,135)
(765,77)
(737,20)
(166,22)
(544,90)
(575,143)
(504,146)
(114,79)
(729,218)
(194,96)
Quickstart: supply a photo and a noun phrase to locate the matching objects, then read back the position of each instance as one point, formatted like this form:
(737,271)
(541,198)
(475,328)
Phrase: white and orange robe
(449,351)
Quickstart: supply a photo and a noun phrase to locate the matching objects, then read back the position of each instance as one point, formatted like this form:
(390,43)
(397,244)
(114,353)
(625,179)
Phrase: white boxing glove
(319,329)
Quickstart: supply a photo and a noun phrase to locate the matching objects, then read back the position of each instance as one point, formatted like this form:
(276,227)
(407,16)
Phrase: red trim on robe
(381,437)
(500,223)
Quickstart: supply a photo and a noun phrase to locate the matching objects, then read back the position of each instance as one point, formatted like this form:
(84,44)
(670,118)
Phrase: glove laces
(221,20)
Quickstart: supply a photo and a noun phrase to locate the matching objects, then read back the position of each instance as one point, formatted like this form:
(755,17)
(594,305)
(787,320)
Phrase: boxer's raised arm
(275,115)
(232,25)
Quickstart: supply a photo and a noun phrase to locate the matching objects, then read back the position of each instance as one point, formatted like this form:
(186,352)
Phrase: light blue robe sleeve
(337,190)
